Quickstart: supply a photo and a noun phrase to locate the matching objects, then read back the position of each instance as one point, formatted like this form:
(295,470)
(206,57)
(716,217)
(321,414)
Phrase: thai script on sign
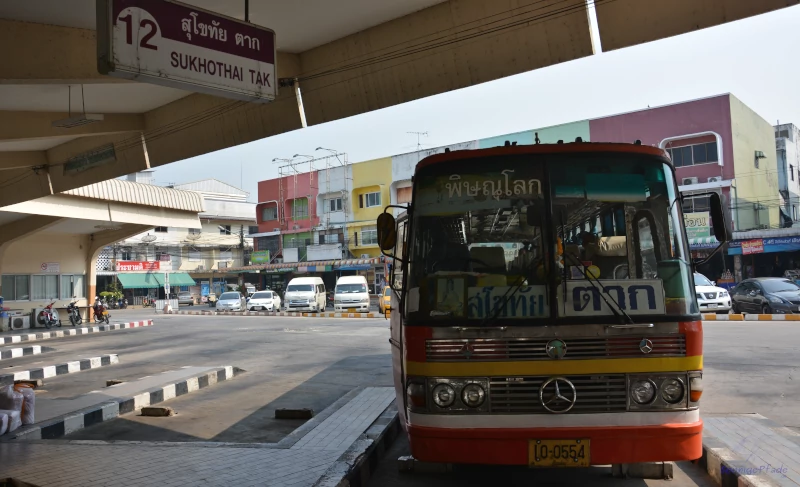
(640,297)
(753,247)
(138,265)
(500,188)
(526,302)
(214,31)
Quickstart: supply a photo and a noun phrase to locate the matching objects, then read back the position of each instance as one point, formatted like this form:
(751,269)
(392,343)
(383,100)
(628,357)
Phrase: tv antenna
(418,134)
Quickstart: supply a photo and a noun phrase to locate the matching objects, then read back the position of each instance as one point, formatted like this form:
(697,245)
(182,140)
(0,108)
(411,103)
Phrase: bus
(543,307)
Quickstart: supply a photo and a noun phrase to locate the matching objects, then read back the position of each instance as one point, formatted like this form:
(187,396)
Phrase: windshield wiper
(603,294)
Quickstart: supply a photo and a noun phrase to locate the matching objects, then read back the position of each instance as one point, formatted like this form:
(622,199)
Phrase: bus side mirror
(720,220)
(387,231)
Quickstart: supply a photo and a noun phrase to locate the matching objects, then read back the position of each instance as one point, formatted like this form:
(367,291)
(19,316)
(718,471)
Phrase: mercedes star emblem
(557,395)
(556,349)
(646,346)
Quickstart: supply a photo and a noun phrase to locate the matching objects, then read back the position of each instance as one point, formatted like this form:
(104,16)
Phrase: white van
(352,293)
(305,294)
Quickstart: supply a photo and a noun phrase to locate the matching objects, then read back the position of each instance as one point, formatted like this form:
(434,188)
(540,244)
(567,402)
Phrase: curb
(355,466)
(71,422)
(728,469)
(754,317)
(32,337)
(282,313)
(60,369)
(20,352)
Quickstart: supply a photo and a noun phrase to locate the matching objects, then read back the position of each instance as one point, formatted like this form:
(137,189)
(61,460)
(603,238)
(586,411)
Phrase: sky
(754,59)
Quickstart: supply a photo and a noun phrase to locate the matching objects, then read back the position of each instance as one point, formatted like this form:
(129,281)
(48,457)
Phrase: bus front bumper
(507,446)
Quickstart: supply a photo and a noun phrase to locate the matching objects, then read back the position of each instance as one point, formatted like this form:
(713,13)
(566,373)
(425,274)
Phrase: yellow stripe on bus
(554,367)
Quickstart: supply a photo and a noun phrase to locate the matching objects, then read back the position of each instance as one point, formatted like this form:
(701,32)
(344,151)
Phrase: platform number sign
(174,44)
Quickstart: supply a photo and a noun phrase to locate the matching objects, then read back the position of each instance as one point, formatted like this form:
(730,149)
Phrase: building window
(44,287)
(791,171)
(16,288)
(252,230)
(332,238)
(194,255)
(694,154)
(369,236)
(224,229)
(403,195)
(794,212)
(696,204)
(126,254)
(269,213)
(369,200)
(72,286)
(160,230)
(194,231)
(333,204)
(225,254)
(163,255)
(300,209)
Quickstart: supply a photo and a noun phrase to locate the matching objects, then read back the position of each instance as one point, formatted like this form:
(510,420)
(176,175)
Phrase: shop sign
(698,225)
(50,267)
(753,247)
(260,257)
(134,265)
(178,45)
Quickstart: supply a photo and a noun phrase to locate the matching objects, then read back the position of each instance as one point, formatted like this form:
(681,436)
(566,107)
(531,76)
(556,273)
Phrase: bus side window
(399,252)
(647,249)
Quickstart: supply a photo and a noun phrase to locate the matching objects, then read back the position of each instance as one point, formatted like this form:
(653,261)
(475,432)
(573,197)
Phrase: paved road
(289,362)
(311,362)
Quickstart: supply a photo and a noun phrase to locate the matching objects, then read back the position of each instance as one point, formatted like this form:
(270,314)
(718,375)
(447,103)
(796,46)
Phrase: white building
(206,253)
(787,145)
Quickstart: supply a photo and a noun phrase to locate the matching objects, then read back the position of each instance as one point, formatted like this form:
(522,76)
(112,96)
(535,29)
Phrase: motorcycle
(49,316)
(74,312)
(122,303)
(147,302)
(100,312)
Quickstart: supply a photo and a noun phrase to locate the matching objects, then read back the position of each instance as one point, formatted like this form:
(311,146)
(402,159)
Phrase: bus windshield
(564,237)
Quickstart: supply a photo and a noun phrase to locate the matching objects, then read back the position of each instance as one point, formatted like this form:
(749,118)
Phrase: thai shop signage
(131,265)
(698,225)
(260,257)
(173,44)
(764,245)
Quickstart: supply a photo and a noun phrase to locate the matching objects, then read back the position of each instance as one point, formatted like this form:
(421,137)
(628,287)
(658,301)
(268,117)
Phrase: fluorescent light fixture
(77,121)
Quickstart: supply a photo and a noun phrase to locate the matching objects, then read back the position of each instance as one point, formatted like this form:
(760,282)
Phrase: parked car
(767,295)
(264,300)
(185,298)
(711,298)
(386,299)
(231,301)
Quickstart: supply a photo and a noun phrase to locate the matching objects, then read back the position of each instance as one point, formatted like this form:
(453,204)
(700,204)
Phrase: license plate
(351,310)
(559,453)
(712,305)
(105,313)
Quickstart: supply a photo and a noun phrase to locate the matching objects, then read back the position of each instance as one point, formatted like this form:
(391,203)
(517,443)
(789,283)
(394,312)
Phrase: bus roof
(572,147)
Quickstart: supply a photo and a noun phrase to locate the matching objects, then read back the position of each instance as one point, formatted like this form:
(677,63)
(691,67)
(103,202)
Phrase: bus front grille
(522,349)
(593,394)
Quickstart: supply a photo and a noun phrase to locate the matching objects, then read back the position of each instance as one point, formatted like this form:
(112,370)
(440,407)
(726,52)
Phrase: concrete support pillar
(97,242)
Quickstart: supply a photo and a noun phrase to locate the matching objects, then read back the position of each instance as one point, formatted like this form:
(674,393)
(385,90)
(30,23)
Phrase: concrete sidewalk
(749,449)
(299,460)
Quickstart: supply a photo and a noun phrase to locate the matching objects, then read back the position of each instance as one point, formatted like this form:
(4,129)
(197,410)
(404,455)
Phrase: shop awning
(141,280)
(180,279)
(152,280)
(317,264)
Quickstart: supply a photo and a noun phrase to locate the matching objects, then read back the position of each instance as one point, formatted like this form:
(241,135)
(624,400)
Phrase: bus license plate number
(559,453)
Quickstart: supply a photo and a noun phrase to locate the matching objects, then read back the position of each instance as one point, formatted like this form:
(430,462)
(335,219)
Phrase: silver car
(185,298)
(231,301)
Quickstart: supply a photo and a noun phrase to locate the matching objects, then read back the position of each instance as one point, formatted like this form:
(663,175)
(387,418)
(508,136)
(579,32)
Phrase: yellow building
(372,182)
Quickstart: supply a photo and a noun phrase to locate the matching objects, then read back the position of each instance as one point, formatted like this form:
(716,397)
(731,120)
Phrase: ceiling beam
(624,23)
(35,125)
(21,159)
(42,53)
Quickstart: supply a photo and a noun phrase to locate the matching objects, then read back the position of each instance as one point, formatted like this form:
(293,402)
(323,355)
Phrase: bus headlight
(473,395)
(643,391)
(444,395)
(672,391)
